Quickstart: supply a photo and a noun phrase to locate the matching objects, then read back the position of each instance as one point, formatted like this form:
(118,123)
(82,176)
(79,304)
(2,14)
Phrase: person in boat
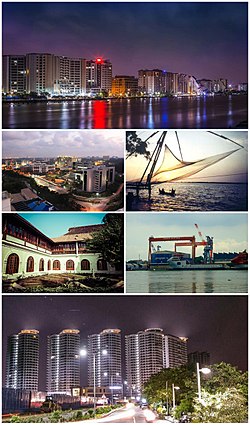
(162,192)
(173,192)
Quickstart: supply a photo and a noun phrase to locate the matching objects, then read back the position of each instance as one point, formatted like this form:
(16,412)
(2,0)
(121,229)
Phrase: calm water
(187,281)
(210,112)
(195,197)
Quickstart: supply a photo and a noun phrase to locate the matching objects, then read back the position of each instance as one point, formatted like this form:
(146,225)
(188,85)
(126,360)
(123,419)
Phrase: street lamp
(173,390)
(204,370)
(84,352)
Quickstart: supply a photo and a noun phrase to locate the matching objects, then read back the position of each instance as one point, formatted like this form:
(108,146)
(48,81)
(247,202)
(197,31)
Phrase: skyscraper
(14,74)
(148,352)
(63,361)
(104,356)
(98,75)
(23,360)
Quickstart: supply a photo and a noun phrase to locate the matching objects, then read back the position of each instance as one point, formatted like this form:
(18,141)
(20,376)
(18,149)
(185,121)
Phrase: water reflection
(211,112)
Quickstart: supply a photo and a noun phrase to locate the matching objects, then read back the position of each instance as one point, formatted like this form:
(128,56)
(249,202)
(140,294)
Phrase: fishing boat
(163,192)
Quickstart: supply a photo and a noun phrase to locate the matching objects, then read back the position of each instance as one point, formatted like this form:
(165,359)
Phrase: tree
(220,407)
(135,146)
(110,240)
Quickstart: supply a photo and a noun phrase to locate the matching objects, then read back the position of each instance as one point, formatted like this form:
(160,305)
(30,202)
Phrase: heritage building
(28,252)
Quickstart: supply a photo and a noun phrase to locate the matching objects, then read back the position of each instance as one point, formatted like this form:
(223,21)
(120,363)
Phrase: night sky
(207,40)
(217,324)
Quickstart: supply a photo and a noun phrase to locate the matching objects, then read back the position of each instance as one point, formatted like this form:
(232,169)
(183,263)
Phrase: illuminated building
(63,361)
(108,370)
(23,360)
(148,352)
(98,75)
(95,179)
(175,351)
(123,85)
(28,252)
(14,74)
(70,76)
(42,167)
(151,81)
(40,72)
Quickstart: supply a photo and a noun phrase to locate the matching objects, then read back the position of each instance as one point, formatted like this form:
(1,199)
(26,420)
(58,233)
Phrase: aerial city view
(124,212)
(63,171)
(195,77)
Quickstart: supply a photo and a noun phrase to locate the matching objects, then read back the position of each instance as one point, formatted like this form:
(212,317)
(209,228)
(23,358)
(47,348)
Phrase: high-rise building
(203,358)
(70,76)
(40,72)
(104,359)
(23,360)
(63,361)
(95,179)
(148,352)
(14,74)
(98,75)
(152,81)
(175,351)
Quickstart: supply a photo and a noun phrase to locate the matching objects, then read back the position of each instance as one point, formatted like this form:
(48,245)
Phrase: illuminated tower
(98,75)
(175,351)
(108,368)
(63,361)
(23,360)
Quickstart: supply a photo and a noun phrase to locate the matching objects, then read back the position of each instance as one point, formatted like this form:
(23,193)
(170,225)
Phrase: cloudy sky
(207,40)
(228,229)
(54,143)
(197,145)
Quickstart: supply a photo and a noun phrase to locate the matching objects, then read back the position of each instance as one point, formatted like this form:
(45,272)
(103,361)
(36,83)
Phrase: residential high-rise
(175,351)
(23,360)
(14,74)
(152,81)
(40,72)
(104,357)
(63,361)
(203,358)
(70,76)
(148,352)
(98,75)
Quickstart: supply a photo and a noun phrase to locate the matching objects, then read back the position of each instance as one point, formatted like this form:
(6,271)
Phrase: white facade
(63,361)
(108,369)
(96,179)
(23,360)
(175,352)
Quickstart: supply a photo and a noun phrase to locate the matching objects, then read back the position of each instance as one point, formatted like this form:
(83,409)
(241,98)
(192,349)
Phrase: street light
(204,370)
(173,390)
(84,352)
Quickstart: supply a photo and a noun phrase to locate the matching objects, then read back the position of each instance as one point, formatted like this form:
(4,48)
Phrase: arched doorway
(56,265)
(70,265)
(41,265)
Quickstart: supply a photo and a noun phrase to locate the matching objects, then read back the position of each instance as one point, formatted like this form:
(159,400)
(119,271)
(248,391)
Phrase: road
(130,414)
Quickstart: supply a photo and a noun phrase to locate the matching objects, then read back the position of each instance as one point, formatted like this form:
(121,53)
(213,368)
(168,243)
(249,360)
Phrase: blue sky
(228,229)
(57,224)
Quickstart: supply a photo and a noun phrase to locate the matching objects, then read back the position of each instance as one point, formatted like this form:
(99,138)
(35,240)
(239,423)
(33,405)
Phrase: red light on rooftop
(99,60)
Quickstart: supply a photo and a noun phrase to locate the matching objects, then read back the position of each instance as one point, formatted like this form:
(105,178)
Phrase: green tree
(220,407)
(110,240)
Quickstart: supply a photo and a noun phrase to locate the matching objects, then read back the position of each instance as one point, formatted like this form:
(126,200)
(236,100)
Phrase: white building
(23,360)
(28,252)
(63,361)
(104,355)
(148,352)
(42,167)
(95,179)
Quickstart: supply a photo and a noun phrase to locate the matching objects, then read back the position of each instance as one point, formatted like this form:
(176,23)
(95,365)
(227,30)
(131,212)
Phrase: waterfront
(195,197)
(176,112)
(191,281)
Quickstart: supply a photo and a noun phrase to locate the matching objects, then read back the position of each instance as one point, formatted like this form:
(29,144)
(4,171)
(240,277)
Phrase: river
(184,112)
(187,281)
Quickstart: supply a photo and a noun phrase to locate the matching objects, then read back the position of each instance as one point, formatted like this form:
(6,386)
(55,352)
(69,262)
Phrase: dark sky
(207,40)
(217,324)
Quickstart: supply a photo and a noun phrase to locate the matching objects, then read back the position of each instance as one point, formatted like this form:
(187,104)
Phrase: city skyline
(216,36)
(71,143)
(229,231)
(215,324)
